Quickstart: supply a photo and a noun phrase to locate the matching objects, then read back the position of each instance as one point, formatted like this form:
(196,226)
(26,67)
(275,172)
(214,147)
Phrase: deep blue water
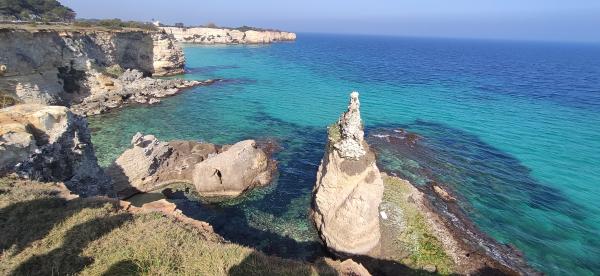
(513,127)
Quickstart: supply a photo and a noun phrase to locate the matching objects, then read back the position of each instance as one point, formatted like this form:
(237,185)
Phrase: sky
(553,20)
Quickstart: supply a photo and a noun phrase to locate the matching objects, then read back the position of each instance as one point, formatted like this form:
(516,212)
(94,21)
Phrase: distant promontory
(218,35)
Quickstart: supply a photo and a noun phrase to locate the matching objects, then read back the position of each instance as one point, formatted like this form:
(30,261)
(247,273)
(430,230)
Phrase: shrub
(114,71)
(50,10)
(114,24)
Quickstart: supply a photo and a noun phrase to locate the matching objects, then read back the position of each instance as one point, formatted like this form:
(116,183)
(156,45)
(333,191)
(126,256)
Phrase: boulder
(214,170)
(151,164)
(235,170)
(51,144)
(349,188)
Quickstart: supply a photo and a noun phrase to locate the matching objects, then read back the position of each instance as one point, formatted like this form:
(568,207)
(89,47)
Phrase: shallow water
(513,127)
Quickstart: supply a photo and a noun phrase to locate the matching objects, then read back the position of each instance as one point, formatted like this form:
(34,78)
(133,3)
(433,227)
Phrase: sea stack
(349,188)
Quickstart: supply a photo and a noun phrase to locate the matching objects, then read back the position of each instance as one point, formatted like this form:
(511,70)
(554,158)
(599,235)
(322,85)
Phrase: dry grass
(42,234)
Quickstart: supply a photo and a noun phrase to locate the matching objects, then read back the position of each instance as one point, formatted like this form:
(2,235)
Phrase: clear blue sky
(563,20)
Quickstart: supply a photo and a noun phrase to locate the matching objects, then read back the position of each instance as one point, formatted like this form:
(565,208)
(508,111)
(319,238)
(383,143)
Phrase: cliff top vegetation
(215,26)
(81,25)
(36,10)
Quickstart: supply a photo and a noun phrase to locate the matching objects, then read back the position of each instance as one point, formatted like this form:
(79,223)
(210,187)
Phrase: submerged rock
(51,144)
(235,170)
(214,170)
(349,188)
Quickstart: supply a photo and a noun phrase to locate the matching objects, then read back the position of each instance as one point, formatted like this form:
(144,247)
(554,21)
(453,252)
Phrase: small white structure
(156,23)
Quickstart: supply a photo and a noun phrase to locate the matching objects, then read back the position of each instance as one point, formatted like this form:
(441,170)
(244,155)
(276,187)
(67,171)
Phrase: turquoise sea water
(513,127)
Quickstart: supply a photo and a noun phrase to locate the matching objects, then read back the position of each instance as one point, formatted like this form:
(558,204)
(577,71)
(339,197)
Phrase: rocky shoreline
(202,35)
(107,93)
(359,212)
(90,70)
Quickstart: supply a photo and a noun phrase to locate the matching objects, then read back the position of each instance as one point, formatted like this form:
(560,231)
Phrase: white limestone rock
(349,189)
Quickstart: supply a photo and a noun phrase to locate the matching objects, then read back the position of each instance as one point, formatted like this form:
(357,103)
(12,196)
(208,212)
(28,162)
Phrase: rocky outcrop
(349,188)
(106,92)
(168,58)
(213,170)
(202,35)
(237,169)
(51,66)
(49,143)
(151,164)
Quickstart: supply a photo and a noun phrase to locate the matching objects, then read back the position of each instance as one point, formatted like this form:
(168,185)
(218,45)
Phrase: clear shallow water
(513,127)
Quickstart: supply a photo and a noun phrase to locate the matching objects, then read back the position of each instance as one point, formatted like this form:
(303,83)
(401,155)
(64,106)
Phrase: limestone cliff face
(349,188)
(227,36)
(47,67)
(50,144)
(167,55)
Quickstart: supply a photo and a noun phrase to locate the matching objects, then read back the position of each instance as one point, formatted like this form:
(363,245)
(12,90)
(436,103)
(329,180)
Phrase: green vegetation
(423,248)
(114,24)
(248,28)
(6,101)
(114,71)
(334,133)
(211,25)
(44,233)
(39,10)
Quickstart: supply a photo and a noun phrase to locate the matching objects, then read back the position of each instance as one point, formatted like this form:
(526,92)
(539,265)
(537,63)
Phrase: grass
(42,233)
(334,133)
(424,249)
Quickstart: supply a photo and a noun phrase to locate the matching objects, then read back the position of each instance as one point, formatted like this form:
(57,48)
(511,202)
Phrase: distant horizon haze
(537,20)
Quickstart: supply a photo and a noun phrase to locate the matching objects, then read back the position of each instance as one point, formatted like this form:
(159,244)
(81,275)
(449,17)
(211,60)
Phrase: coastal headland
(51,181)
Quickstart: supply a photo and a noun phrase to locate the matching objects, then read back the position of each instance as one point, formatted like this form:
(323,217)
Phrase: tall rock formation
(349,188)
(50,143)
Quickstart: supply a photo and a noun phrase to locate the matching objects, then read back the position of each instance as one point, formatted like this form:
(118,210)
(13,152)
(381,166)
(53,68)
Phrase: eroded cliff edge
(202,35)
(65,66)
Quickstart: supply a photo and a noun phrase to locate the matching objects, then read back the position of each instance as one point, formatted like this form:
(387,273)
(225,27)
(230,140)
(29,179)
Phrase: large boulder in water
(151,164)
(235,170)
(349,188)
(214,170)
(51,144)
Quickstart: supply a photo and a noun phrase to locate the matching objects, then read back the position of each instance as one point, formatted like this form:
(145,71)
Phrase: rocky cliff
(50,144)
(202,35)
(349,188)
(49,66)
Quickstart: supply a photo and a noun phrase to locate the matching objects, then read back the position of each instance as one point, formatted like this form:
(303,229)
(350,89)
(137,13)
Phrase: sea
(511,127)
